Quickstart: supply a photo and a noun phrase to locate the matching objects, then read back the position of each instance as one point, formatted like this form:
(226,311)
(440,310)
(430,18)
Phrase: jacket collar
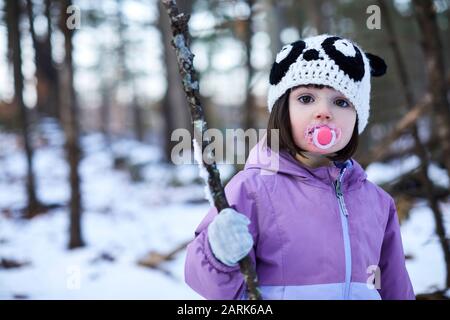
(283,162)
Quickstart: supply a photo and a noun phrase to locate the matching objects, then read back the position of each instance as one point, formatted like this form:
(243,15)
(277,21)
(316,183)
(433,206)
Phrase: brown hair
(280,119)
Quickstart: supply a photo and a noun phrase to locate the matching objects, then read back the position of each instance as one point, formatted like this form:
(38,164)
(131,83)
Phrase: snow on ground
(382,172)
(123,220)
(427,266)
(56,273)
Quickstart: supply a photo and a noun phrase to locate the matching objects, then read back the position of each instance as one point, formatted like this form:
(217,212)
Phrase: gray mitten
(229,238)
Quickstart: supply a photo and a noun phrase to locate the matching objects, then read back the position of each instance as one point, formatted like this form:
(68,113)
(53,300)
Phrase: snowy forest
(92,205)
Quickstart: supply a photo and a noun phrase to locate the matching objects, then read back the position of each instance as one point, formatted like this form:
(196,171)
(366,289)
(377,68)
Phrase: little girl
(315,228)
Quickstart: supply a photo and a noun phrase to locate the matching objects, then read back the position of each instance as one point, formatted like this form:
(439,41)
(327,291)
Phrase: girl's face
(311,108)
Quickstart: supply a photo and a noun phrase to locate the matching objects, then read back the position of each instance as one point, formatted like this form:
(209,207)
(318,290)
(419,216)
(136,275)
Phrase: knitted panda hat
(331,61)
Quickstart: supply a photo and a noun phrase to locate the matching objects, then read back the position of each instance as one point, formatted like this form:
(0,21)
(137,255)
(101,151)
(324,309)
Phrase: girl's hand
(229,238)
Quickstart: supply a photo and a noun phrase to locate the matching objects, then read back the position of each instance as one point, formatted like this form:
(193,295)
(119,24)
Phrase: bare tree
(13,12)
(70,113)
(126,76)
(437,82)
(316,17)
(175,108)
(276,22)
(249,103)
(106,90)
(46,73)
(421,151)
(138,119)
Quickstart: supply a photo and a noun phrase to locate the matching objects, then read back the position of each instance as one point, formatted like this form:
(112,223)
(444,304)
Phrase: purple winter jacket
(322,233)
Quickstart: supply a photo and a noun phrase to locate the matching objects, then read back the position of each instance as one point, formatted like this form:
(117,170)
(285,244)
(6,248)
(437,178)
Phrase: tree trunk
(69,109)
(434,63)
(249,108)
(13,18)
(249,112)
(137,119)
(127,77)
(175,108)
(105,110)
(276,22)
(46,74)
(420,148)
(316,17)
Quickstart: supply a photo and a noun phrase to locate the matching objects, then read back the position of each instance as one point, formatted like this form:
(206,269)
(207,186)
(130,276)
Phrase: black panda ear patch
(287,56)
(377,65)
(346,56)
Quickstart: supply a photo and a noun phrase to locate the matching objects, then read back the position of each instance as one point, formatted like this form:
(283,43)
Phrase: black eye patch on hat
(346,56)
(292,52)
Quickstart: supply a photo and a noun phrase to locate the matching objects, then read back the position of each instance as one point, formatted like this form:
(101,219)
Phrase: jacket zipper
(345,231)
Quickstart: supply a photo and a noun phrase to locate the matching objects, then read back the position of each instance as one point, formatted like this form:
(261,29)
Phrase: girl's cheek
(346,137)
(300,138)
(295,131)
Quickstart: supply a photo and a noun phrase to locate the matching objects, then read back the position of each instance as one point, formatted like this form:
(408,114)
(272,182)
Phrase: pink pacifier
(322,136)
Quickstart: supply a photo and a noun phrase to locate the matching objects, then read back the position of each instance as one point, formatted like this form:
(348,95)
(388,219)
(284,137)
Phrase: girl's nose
(323,115)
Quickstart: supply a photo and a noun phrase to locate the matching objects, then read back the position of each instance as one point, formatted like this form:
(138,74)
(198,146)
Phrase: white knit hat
(331,61)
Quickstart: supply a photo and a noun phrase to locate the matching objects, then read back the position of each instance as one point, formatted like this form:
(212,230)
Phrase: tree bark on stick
(181,42)
(420,148)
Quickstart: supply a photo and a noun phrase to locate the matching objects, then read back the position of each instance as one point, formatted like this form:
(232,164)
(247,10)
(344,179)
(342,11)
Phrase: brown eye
(305,99)
(342,103)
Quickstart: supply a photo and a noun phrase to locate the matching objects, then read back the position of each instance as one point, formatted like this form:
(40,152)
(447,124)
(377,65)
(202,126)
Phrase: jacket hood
(282,162)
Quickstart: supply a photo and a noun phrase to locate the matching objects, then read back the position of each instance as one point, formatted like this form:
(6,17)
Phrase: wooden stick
(180,42)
